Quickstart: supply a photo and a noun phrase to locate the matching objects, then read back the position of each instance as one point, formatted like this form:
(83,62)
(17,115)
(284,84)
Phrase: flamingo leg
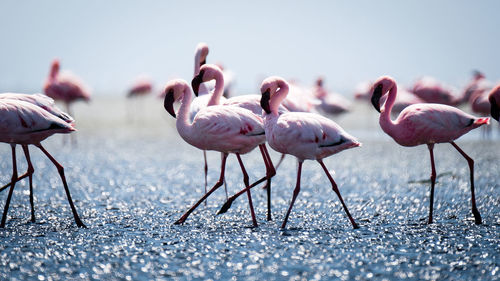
(246,181)
(270,172)
(295,193)
(12,184)
(470,161)
(30,172)
(205,170)
(280,161)
(27,174)
(60,170)
(433,181)
(336,190)
(225,184)
(231,199)
(214,188)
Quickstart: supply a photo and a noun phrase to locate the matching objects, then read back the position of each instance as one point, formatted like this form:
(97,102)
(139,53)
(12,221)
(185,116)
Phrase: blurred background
(108,43)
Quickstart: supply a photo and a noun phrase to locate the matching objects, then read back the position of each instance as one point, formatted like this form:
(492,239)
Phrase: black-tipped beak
(495,110)
(168,103)
(203,62)
(195,83)
(264,101)
(377,94)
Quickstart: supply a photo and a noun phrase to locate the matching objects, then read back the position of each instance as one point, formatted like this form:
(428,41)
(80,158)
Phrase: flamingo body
(65,86)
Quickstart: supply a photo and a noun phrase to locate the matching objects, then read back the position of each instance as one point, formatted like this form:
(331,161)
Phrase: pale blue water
(131,181)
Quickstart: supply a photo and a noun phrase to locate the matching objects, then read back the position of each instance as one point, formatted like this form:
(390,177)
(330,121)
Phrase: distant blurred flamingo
(302,134)
(142,86)
(430,90)
(477,82)
(228,129)
(26,123)
(331,103)
(209,72)
(494,98)
(426,123)
(65,86)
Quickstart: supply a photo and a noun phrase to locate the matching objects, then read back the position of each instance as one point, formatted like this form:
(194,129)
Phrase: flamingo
(426,123)
(142,86)
(47,104)
(430,90)
(209,72)
(331,103)
(25,123)
(494,98)
(302,134)
(203,98)
(476,83)
(227,129)
(65,86)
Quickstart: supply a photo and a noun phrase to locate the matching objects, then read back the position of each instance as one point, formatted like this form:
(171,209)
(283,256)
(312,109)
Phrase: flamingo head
(174,90)
(201,53)
(319,82)
(494,99)
(207,72)
(478,75)
(268,88)
(380,88)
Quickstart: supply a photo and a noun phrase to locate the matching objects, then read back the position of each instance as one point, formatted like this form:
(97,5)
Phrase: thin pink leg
(336,190)
(214,188)
(270,172)
(470,161)
(433,181)
(60,169)
(12,184)
(249,195)
(295,194)
(280,161)
(30,171)
(205,169)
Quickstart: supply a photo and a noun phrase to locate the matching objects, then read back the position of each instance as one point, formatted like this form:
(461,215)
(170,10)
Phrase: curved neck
(183,124)
(278,97)
(54,70)
(197,63)
(219,89)
(385,113)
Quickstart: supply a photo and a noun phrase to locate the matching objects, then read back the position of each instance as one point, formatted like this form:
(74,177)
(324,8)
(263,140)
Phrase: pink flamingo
(25,123)
(210,72)
(47,104)
(331,103)
(65,86)
(494,98)
(477,81)
(227,129)
(302,134)
(430,90)
(142,86)
(426,123)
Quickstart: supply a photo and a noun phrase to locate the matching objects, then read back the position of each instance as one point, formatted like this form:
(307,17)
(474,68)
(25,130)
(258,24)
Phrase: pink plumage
(142,86)
(425,123)
(304,135)
(24,122)
(227,129)
(65,86)
(430,90)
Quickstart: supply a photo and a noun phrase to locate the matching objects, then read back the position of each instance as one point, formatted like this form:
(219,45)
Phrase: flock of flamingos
(281,116)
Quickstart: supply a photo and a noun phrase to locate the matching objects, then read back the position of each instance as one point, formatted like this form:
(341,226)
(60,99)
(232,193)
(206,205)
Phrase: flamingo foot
(226,206)
(181,220)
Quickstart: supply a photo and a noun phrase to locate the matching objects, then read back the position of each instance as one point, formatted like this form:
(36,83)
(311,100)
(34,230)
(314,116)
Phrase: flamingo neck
(197,63)
(183,124)
(385,113)
(218,90)
(278,97)
(54,70)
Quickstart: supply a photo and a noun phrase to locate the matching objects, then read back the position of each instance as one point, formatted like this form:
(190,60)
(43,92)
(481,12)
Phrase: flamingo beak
(168,103)
(203,62)
(195,83)
(377,94)
(495,110)
(264,101)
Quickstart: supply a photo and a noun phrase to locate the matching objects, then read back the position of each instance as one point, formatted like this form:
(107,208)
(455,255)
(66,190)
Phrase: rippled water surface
(131,178)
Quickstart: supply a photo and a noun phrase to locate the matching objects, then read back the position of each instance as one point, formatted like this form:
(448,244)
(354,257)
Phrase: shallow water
(131,178)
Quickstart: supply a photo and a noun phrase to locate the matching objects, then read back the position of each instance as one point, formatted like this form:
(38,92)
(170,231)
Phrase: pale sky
(109,43)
